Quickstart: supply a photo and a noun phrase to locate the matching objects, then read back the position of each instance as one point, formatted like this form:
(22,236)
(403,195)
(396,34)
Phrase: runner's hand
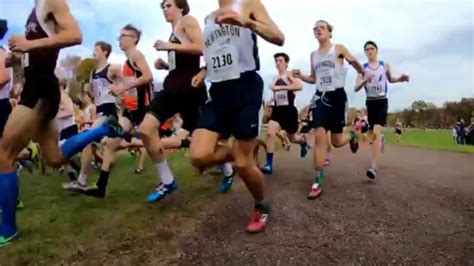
(229,16)
(18,43)
(198,79)
(117,90)
(296,73)
(405,78)
(162,45)
(160,64)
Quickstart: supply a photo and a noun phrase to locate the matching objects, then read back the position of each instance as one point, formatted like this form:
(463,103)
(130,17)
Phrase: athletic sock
(270,159)
(227,169)
(103,180)
(8,203)
(319,177)
(72,175)
(74,165)
(82,179)
(165,173)
(263,206)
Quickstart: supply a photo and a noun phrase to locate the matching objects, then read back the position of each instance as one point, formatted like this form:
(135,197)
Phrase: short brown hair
(284,55)
(370,43)
(106,47)
(181,4)
(130,27)
(330,27)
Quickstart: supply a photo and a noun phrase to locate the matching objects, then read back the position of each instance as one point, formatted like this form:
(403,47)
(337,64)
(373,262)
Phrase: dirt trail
(420,210)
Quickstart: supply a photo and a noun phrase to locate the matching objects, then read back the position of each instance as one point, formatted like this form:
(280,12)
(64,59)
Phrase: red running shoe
(258,222)
(315,192)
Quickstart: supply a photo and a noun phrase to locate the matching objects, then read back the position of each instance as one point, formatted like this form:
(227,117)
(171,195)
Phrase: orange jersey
(135,97)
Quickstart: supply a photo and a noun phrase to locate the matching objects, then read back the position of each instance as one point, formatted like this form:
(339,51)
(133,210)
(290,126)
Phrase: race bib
(171,60)
(25,60)
(222,63)
(375,91)
(281,98)
(326,80)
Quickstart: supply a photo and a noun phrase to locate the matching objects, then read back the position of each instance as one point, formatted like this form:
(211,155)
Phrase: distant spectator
(461,133)
(471,134)
(467,139)
(455,134)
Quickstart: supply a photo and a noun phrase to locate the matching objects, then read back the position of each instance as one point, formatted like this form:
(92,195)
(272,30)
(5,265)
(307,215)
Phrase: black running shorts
(187,103)
(43,89)
(233,109)
(5,110)
(330,111)
(286,117)
(377,112)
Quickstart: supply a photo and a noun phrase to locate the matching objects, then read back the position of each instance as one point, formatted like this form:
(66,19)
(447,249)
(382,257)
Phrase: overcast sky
(432,41)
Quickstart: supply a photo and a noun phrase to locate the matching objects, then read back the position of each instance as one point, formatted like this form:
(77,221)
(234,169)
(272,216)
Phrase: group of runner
(228,44)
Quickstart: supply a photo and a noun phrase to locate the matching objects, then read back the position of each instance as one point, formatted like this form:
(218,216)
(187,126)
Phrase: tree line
(419,114)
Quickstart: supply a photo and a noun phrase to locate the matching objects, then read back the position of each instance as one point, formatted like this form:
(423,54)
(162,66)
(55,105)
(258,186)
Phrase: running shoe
(371,173)
(161,192)
(259,219)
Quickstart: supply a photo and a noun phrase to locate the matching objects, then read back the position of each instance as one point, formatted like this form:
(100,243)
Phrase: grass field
(434,139)
(60,228)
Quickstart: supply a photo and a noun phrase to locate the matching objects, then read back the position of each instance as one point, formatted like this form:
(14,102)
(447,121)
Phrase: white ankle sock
(165,172)
(227,168)
(82,179)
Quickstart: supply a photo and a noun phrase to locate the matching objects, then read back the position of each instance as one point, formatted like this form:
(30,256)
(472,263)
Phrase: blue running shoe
(161,191)
(117,130)
(267,169)
(227,182)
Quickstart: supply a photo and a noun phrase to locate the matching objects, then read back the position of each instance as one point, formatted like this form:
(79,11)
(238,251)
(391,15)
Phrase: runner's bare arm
(194,33)
(392,79)
(199,78)
(311,79)
(67,32)
(115,73)
(351,59)
(360,82)
(263,25)
(295,83)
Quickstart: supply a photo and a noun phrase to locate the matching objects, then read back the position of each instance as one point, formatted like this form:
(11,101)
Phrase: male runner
(178,95)
(329,102)
(66,126)
(375,78)
(231,55)
(136,90)
(101,78)
(398,130)
(284,113)
(49,28)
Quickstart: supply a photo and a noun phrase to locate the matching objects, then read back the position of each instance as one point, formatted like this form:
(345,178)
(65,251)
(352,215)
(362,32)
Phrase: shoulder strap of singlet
(381,63)
(106,71)
(366,65)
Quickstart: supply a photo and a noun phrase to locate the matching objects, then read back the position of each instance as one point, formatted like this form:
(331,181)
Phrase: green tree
(84,69)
